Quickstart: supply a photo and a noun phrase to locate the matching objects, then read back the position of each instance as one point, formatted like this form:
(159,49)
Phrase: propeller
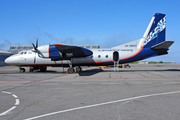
(35,50)
(35,47)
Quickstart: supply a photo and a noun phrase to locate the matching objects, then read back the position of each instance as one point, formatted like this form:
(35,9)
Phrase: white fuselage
(30,58)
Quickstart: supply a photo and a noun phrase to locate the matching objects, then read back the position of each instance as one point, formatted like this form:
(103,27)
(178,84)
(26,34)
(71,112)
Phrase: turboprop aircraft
(151,44)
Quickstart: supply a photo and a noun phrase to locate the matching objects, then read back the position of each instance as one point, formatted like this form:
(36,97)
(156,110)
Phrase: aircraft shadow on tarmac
(90,72)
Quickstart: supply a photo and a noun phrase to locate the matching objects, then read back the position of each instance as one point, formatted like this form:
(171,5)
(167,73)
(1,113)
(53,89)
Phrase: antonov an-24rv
(151,44)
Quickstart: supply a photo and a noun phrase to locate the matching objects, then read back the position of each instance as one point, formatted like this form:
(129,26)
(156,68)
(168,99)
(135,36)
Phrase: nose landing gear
(22,70)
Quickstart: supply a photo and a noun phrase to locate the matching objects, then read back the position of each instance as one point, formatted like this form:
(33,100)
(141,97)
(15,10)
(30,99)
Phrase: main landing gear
(71,69)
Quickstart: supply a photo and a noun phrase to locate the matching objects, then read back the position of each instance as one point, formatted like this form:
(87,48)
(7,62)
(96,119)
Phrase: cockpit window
(22,53)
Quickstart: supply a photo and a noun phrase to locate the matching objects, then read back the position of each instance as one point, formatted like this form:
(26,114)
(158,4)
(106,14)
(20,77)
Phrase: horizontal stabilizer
(162,45)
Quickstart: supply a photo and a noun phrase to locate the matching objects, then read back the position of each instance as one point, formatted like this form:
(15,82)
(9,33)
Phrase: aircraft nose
(8,60)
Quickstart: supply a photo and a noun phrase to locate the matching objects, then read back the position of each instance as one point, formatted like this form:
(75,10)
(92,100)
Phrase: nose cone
(8,61)
(87,52)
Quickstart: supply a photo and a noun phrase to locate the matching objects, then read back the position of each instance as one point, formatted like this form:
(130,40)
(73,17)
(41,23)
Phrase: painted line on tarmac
(100,104)
(15,105)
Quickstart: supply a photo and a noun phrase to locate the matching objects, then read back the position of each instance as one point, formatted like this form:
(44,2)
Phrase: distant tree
(160,61)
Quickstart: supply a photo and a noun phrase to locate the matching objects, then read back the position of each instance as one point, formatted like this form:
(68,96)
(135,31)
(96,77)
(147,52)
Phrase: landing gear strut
(71,69)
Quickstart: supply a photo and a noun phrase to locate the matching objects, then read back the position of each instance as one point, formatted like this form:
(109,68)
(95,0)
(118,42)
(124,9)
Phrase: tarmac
(142,92)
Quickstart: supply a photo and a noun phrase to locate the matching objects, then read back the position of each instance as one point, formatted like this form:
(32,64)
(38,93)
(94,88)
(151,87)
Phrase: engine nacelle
(62,52)
(54,53)
(43,51)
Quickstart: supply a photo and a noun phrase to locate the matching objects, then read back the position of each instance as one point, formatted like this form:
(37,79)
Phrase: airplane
(152,44)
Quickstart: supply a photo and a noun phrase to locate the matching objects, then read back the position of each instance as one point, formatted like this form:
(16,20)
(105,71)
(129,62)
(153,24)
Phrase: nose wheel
(22,70)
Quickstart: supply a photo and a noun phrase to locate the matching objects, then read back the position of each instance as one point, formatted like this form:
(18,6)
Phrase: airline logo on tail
(153,34)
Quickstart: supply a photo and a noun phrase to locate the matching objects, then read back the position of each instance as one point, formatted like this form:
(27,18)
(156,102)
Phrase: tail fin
(155,32)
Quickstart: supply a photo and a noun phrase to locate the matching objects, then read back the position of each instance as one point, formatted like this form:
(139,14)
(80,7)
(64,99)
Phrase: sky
(106,23)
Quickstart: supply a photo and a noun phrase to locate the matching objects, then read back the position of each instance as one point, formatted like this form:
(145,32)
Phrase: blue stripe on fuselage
(53,52)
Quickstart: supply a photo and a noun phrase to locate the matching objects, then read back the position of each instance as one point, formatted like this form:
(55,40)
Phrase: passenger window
(99,56)
(24,52)
(106,56)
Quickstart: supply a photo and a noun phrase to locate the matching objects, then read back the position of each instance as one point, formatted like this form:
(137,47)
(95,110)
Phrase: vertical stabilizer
(155,32)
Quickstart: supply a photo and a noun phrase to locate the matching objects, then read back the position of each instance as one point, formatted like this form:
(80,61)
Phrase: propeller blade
(37,43)
(34,47)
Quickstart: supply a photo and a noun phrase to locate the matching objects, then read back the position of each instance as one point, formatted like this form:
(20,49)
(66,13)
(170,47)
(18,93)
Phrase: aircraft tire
(22,70)
(78,68)
(70,70)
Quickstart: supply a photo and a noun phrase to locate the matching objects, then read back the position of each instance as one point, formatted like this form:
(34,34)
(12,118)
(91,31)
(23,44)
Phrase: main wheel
(70,70)
(22,70)
(78,68)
